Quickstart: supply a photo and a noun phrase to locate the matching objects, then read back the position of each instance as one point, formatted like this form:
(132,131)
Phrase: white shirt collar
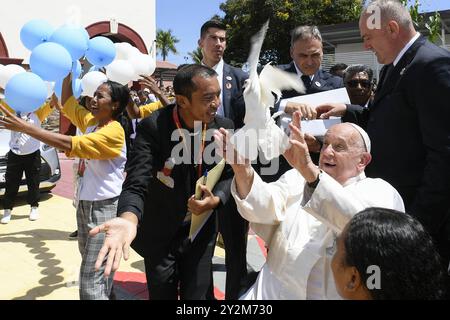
(408,45)
(300,73)
(217,67)
(359,177)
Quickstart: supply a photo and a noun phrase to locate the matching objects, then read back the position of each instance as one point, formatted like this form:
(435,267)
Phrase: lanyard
(176,119)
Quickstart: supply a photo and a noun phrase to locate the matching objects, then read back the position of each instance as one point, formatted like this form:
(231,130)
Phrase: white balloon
(132,52)
(91,81)
(125,51)
(122,50)
(50,88)
(120,71)
(143,64)
(7,72)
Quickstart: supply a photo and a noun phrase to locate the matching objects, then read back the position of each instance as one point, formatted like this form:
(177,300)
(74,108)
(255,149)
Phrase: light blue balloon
(86,34)
(35,32)
(73,39)
(58,88)
(76,69)
(101,51)
(25,92)
(77,88)
(50,61)
(94,68)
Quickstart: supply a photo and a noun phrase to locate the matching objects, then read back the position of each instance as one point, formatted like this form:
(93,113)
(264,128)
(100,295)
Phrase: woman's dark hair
(404,252)
(120,93)
(83,101)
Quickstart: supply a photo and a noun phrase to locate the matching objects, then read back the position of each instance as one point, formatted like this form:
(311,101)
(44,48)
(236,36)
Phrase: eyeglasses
(354,83)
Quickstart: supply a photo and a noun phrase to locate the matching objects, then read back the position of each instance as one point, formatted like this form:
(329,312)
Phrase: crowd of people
(363,213)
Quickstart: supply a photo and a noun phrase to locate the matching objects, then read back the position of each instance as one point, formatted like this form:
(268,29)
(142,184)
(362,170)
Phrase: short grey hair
(357,68)
(305,33)
(390,10)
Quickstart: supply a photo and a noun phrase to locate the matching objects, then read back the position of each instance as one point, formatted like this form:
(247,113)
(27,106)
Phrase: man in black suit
(213,43)
(408,118)
(307,55)
(158,192)
(232,226)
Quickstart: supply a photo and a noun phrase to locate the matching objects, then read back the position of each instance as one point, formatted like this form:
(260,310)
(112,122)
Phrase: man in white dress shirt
(300,215)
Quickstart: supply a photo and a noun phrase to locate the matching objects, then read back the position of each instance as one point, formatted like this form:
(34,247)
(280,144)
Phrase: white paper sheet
(317,127)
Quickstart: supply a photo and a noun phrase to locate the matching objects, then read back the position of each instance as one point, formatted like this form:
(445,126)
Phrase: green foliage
(165,43)
(196,55)
(432,25)
(245,17)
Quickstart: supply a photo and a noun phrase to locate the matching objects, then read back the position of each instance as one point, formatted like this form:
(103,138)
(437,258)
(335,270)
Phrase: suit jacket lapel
(317,82)
(226,90)
(292,68)
(398,70)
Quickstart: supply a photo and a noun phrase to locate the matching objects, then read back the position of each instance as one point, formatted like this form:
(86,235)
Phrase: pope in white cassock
(300,215)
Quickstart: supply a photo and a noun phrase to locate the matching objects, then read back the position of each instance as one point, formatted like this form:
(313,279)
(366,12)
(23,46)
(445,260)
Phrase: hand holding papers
(208,180)
(317,127)
(198,191)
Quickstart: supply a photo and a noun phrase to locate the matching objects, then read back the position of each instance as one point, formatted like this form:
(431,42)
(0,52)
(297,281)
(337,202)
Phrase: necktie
(387,72)
(306,81)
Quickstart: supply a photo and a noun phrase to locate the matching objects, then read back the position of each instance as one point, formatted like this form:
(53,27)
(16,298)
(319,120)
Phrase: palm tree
(165,43)
(196,55)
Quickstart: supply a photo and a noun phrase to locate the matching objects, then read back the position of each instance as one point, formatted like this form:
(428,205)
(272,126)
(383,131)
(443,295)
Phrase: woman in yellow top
(102,149)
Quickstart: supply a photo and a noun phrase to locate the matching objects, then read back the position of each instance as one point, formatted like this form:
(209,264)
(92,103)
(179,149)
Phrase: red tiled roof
(165,65)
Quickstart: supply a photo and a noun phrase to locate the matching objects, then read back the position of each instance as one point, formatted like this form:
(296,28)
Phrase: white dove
(260,130)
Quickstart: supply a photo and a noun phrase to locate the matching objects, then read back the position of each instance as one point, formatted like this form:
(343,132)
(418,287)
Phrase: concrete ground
(40,261)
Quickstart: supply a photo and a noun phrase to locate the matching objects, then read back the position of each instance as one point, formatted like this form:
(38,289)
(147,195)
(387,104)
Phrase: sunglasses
(354,83)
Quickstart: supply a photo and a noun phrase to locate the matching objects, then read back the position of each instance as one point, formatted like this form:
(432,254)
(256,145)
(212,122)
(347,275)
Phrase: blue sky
(185,18)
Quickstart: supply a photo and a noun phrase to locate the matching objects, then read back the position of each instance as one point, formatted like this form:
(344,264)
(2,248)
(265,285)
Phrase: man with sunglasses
(358,80)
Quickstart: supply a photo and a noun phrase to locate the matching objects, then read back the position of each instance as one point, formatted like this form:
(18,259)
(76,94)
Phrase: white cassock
(300,224)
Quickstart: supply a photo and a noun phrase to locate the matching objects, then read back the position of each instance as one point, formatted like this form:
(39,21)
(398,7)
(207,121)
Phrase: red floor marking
(135,284)
(64,187)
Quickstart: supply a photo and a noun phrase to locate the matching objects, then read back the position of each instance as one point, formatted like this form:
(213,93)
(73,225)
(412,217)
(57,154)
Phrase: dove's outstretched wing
(274,80)
(260,129)
(255,51)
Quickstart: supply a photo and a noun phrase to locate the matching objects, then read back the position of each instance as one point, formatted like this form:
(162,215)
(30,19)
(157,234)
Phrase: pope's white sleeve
(266,203)
(335,205)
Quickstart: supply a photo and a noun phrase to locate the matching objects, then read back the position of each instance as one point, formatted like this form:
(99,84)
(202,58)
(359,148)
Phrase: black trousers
(16,166)
(185,271)
(234,231)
